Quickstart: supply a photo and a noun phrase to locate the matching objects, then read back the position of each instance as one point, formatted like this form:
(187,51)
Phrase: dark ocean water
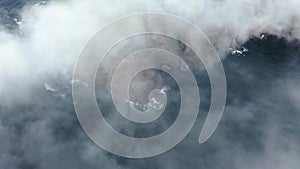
(253,104)
(9,10)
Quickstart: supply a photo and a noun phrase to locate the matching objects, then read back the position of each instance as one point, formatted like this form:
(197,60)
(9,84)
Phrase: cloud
(39,128)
